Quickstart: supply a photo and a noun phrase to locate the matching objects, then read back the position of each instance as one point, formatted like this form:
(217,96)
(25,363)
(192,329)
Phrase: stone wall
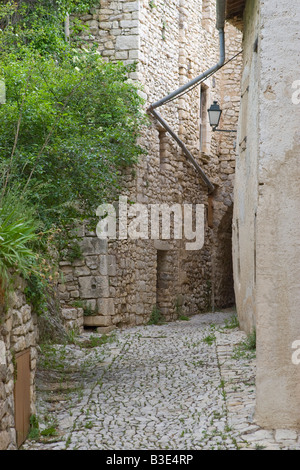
(172,42)
(246,187)
(114,26)
(277,225)
(267,206)
(18,333)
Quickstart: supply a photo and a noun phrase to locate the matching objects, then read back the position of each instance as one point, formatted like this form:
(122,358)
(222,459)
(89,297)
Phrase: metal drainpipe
(220,26)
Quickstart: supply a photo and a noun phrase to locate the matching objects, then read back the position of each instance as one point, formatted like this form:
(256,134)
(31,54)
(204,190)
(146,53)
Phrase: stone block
(122,55)
(68,277)
(97,320)
(26,313)
(162,245)
(93,287)
(91,304)
(3,409)
(17,318)
(75,294)
(78,262)
(69,313)
(2,392)
(285,434)
(19,344)
(66,269)
(131,6)
(125,43)
(129,23)
(3,372)
(106,329)
(64,296)
(10,385)
(111,265)
(92,261)
(105,307)
(103,265)
(4,440)
(116,319)
(93,246)
(81,271)
(2,353)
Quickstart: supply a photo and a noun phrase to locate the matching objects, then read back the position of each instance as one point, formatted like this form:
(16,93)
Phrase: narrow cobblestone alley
(185,385)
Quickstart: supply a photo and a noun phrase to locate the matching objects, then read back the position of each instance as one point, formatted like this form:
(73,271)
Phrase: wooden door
(22,395)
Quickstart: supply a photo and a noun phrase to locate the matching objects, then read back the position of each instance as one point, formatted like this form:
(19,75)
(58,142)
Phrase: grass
(250,342)
(52,358)
(156,317)
(49,432)
(210,339)
(36,434)
(87,308)
(96,341)
(184,318)
(232,323)
(247,348)
(34,430)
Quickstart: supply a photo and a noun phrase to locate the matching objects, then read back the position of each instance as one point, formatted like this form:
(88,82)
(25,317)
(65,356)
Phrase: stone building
(266,228)
(18,358)
(123,282)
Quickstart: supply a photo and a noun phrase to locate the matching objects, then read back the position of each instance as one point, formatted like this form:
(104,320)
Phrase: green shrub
(71,121)
(34,430)
(18,231)
(232,323)
(78,129)
(156,317)
(247,348)
(68,130)
(210,339)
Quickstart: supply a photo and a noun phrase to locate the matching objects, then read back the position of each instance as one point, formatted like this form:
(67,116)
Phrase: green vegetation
(247,349)
(77,133)
(250,342)
(232,323)
(36,434)
(68,130)
(34,430)
(184,318)
(210,339)
(18,229)
(156,317)
(97,341)
(49,432)
(88,310)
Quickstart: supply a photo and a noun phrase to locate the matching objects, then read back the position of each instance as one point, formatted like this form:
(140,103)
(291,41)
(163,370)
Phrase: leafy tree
(67,131)
(71,121)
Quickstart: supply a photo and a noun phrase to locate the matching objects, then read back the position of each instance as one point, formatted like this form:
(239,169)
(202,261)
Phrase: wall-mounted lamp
(214,113)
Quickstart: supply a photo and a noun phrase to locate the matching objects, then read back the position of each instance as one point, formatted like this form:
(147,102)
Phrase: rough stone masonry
(123,282)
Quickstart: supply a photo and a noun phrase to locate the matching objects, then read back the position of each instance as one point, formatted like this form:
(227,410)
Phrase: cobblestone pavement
(187,385)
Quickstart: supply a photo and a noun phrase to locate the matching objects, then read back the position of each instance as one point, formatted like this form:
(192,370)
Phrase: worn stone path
(186,385)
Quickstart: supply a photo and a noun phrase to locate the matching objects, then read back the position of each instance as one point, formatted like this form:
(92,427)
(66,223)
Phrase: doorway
(22,395)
